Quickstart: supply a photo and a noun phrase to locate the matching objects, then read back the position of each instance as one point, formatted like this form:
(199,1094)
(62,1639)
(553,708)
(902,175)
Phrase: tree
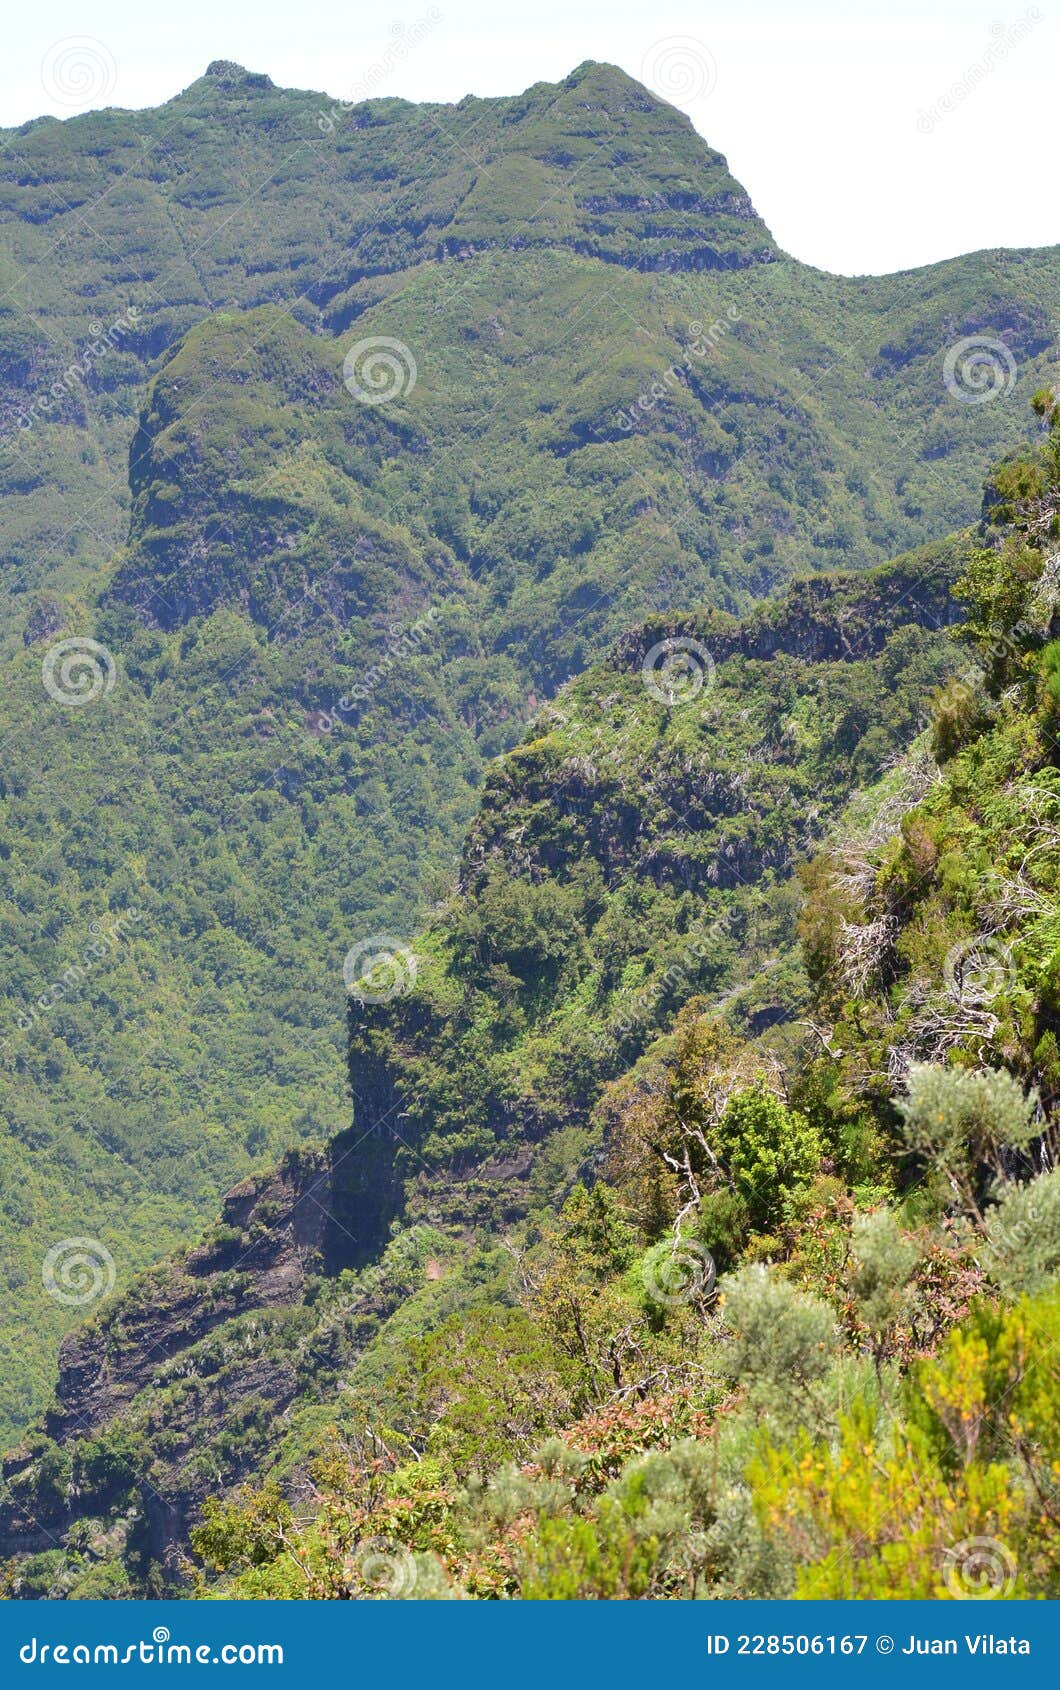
(490,1385)
(769,1150)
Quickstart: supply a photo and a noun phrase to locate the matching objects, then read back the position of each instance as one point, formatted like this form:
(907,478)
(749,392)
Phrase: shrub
(884,1263)
(576,1559)
(779,1339)
(868,1521)
(960,1124)
(770,1151)
(1023,1236)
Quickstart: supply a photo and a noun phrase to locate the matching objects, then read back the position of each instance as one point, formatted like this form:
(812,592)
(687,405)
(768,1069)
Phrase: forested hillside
(339,443)
(636,854)
(658,1261)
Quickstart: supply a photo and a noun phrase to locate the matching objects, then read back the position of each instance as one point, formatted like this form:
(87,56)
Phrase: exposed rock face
(44,620)
(245,1264)
(811,627)
(316,1214)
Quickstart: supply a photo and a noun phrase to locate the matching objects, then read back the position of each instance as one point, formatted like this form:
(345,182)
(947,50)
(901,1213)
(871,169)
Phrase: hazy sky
(871,138)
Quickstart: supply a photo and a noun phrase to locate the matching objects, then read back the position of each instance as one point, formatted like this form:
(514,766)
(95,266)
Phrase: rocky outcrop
(824,619)
(178,1334)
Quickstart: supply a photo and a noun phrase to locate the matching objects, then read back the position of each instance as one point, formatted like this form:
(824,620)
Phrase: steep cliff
(635,853)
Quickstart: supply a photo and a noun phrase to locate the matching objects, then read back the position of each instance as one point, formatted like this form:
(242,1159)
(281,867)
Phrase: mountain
(749,972)
(606,396)
(635,854)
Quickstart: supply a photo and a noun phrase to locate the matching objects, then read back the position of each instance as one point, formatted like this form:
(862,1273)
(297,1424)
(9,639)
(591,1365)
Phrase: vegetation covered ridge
(622,865)
(800,1336)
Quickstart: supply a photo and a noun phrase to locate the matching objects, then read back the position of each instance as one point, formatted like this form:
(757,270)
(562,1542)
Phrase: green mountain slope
(323,616)
(233,196)
(237,193)
(475,1346)
(636,852)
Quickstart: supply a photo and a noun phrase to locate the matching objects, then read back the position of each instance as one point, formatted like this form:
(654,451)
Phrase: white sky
(832,116)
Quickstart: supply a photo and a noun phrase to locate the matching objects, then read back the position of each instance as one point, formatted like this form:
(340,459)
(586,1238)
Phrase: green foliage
(959,1122)
(779,1340)
(488,1387)
(770,1151)
(959,1499)
(863,1522)
(257,550)
(578,1559)
(884,1260)
(1023,1235)
(242,1531)
(560,1417)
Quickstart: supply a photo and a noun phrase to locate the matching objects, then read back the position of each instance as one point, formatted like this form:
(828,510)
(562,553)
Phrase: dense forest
(613,397)
(697,1231)
(555,872)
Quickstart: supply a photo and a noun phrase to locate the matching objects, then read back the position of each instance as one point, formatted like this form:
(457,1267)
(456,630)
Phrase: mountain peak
(226,70)
(602,71)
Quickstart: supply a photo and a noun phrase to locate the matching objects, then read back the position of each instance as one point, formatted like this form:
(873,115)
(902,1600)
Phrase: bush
(780,1339)
(1023,1235)
(961,1123)
(884,1263)
(574,1559)
(958,716)
(770,1151)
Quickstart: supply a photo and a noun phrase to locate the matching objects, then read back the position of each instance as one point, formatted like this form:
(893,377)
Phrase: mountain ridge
(444,1160)
(282,769)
